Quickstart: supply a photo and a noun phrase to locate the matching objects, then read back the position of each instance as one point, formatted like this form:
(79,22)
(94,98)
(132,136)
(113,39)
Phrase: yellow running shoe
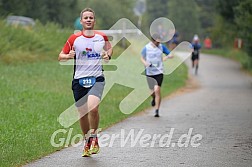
(86,152)
(94,149)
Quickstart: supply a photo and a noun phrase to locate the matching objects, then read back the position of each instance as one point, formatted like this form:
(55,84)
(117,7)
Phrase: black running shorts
(81,94)
(154,80)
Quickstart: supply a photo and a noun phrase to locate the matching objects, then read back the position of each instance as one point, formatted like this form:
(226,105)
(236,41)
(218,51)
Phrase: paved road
(219,110)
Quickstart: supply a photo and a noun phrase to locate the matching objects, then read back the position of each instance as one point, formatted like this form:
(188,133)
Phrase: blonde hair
(87,10)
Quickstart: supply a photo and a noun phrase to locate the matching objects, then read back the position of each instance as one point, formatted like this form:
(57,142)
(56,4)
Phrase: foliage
(207,15)
(42,42)
(108,12)
(226,9)
(185,16)
(155,9)
(59,11)
(221,33)
(188,16)
(243,19)
(236,16)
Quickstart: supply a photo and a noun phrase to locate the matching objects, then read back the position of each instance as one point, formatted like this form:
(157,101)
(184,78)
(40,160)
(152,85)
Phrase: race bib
(87,82)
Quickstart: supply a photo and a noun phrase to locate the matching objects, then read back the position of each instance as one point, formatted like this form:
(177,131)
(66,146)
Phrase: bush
(42,42)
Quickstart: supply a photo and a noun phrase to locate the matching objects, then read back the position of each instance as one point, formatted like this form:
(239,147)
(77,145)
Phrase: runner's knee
(94,110)
(157,90)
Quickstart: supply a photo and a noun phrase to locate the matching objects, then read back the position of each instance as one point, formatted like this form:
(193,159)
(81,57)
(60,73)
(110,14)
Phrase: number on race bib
(87,82)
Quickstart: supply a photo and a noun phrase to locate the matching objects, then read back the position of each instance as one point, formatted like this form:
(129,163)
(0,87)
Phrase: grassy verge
(33,96)
(235,54)
(26,45)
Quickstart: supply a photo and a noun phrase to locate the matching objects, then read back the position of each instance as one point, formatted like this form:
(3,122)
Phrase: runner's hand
(168,57)
(146,64)
(71,54)
(105,56)
(171,56)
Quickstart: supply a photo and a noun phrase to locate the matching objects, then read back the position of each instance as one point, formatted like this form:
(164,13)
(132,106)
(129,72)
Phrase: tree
(154,10)
(207,14)
(226,9)
(185,16)
(13,7)
(243,19)
(236,16)
(59,11)
(108,12)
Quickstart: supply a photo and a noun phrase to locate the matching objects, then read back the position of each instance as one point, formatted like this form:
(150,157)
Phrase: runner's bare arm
(64,57)
(107,55)
(146,64)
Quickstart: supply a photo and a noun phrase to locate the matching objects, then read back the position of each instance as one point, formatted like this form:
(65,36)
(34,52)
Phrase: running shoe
(95,149)
(156,113)
(86,150)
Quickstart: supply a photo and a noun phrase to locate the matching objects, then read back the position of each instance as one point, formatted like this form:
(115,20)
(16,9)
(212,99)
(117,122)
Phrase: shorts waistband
(97,79)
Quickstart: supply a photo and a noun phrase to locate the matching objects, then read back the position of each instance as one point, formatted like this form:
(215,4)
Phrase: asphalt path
(207,123)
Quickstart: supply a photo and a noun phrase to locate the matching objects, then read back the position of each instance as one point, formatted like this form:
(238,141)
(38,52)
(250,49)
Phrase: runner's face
(156,43)
(88,20)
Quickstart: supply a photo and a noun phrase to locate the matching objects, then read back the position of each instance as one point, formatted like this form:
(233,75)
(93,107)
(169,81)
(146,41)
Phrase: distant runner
(195,54)
(152,58)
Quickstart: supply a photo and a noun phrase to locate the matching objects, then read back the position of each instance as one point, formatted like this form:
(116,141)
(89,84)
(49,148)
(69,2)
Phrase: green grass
(235,54)
(35,90)
(31,99)
(22,45)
